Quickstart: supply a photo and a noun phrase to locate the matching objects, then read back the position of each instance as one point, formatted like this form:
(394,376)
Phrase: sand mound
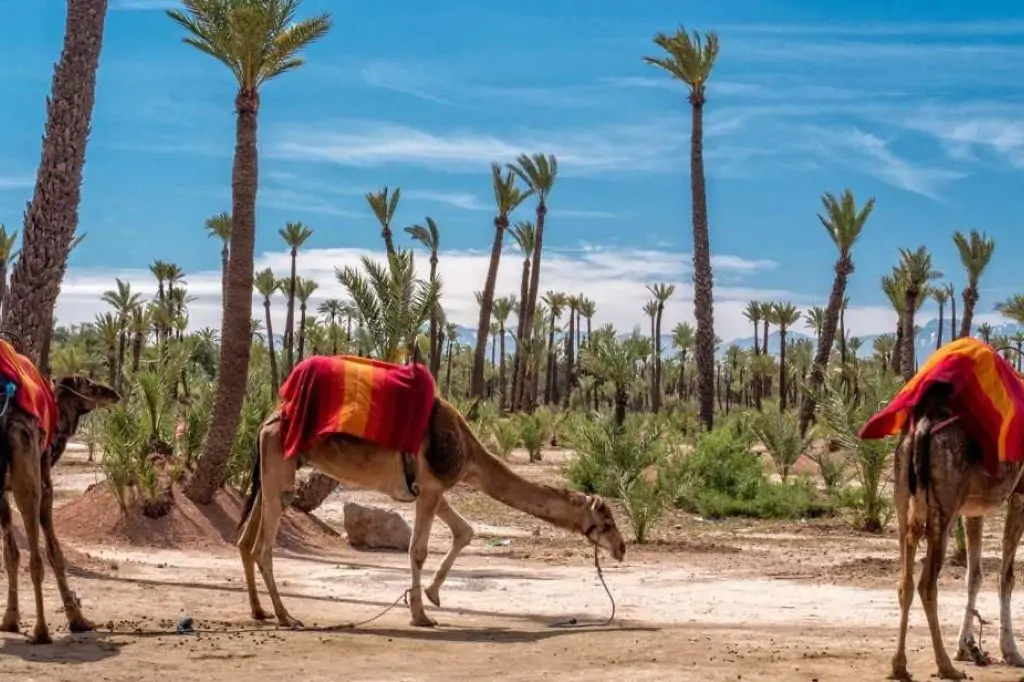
(95,519)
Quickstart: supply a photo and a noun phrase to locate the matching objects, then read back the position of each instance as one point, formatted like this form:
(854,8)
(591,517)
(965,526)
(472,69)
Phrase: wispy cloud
(16,182)
(964,136)
(605,149)
(913,28)
(286,199)
(870,154)
(143,5)
(463,200)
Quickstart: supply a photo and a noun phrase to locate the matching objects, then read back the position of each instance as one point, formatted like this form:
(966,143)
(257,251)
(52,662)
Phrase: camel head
(599,527)
(83,395)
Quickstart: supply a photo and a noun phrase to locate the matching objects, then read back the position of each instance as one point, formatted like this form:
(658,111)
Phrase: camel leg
(27,493)
(967,648)
(928,589)
(905,590)
(77,622)
(426,506)
(276,472)
(462,535)
(247,550)
(12,557)
(1011,538)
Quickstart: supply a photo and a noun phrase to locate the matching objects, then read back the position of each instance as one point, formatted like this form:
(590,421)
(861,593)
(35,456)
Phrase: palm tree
(526,238)
(266,285)
(690,59)
(682,339)
(843,222)
(219,226)
(503,308)
(1012,308)
(786,315)
(753,314)
(52,215)
(451,332)
(109,329)
(951,294)
(304,289)
(941,296)
(893,286)
(918,272)
(229,31)
(332,309)
(507,196)
(384,208)
(555,303)
(392,303)
(295,236)
(614,362)
(538,172)
(430,237)
(975,252)
(814,318)
(122,300)
(661,293)
(572,303)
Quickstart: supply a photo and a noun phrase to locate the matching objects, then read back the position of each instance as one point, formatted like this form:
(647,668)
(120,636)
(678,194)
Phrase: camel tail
(920,469)
(256,484)
(6,453)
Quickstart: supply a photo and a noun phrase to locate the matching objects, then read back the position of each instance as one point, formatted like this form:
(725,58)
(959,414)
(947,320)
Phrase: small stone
(374,528)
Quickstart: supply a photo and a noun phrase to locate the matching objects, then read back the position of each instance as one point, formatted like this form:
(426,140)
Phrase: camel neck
(562,508)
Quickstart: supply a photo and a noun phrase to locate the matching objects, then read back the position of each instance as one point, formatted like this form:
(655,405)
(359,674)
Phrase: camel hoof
(40,636)
(1013,659)
(952,673)
(433,596)
(260,614)
(10,623)
(289,622)
(81,625)
(423,622)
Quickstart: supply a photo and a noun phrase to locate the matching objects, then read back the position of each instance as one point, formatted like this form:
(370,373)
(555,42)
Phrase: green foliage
(779,432)
(533,430)
(506,436)
(644,501)
(606,455)
(123,435)
(259,401)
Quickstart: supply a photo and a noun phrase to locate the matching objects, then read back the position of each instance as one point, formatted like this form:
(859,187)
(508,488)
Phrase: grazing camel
(450,453)
(939,476)
(25,471)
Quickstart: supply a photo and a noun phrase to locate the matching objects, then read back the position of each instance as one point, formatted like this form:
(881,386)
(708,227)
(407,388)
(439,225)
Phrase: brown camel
(939,476)
(450,454)
(26,467)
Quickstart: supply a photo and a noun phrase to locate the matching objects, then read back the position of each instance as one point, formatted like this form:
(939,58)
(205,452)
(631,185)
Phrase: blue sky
(919,106)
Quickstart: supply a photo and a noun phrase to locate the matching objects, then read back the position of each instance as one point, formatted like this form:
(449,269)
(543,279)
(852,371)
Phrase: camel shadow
(69,649)
(492,634)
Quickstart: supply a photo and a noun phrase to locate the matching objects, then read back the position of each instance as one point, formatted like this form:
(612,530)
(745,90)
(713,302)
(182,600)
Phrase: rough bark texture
(486,304)
(703,305)
(289,319)
(531,309)
(52,216)
(312,492)
(826,339)
(970,300)
(435,345)
(938,337)
(519,362)
(907,318)
(236,325)
(952,318)
(656,394)
(782,369)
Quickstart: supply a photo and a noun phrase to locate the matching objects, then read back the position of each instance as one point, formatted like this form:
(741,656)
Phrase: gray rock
(373,528)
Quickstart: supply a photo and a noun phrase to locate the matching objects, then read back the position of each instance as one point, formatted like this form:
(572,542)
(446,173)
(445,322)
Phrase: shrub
(533,431)
(506,436)
(644,501)
(779,433)
(606,455)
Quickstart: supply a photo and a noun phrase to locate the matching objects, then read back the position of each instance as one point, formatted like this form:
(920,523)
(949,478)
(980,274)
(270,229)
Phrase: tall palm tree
(538,172)
(384,209)
(690,59)
(555,303)
(7,256)
(503,308)
(451,332)
(219,226)
(140,319)
(975,253)
(941,296)
(786,315)
(51,219)
(814,318)
(661,293)
(682,340)
(951,294)
(430,237)
(304,289)
(894,286)
(122,300)
(918,273)
(266,285)
(572,303)
(228,31)
(295,236)
(844,222)
(109,330)
(526,238)
(507,197)
(332,310)
(753,314)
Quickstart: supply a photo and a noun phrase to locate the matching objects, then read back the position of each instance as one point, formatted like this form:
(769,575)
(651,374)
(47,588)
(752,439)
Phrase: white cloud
(966,134)
(463,200)
(637,147)
(16,182)
(143,5)
(615,279)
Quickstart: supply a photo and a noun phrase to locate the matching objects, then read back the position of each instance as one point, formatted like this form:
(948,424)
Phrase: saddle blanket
(32,392)
(385,404)
(987,395)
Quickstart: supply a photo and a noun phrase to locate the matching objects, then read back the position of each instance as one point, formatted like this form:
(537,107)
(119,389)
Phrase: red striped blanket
(32,393)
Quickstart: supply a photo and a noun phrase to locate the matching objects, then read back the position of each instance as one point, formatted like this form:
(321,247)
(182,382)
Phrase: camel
(25,471)
(939,476)
(450,453)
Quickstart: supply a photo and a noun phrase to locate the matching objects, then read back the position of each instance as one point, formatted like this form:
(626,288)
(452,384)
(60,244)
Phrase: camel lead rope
(982,657)
(573,622)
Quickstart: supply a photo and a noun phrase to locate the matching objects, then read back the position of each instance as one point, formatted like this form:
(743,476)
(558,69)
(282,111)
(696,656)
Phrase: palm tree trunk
(136,352)
(501,371)
(569,357)
(236,327)
(896,361)
(970,295)
(549,388)
(656,397)
(289,319)
(843,269)
(531,309)
(938,337)
(703,303)
(52,215)
(448,372)
(782,369)
(275,378)
(952,318)
(225,254)
(302,332)
(519,362)
(435,346)
(907,350)
(476,383)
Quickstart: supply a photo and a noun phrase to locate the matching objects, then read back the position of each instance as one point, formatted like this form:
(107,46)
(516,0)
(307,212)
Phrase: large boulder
(373,528)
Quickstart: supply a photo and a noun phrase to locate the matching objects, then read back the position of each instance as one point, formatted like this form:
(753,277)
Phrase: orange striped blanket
(32,393)
(987,396)
(386,404)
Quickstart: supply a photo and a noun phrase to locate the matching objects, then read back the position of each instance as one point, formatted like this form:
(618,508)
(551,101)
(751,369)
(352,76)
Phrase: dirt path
(711,601)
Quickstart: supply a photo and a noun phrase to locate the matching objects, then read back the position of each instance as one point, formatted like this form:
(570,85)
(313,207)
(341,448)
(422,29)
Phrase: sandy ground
(707,601)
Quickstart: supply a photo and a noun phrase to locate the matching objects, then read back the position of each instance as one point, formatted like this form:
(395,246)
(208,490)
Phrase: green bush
(607,456)
(506,436)
(534,431)
(259,401)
